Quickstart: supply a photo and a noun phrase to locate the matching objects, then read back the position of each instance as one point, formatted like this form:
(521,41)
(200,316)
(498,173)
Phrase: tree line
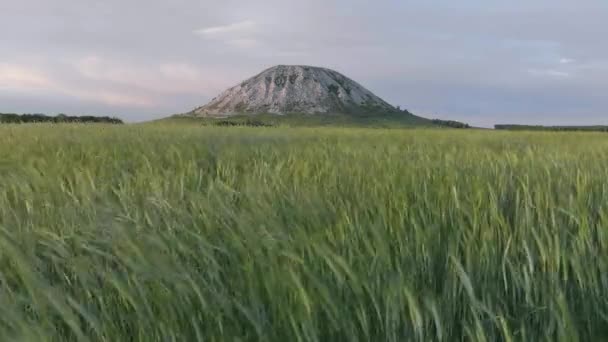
(450,123)
(61,118)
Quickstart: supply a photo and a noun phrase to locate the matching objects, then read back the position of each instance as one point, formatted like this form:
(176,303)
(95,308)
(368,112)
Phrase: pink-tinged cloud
(165,79)
(15,77)
(26,80)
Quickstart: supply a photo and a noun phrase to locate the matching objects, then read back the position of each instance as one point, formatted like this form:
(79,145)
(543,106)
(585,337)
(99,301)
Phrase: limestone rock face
(288,89)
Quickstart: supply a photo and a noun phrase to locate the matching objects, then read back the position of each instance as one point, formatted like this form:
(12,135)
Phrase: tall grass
(176,233)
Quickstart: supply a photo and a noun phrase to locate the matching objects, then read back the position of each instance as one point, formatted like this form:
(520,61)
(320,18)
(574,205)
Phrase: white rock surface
(287,89)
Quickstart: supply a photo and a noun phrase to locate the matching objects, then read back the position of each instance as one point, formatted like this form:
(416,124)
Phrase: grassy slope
(371,119)
(166,232)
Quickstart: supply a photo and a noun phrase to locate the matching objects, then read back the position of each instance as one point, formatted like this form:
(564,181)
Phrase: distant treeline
(450,123)
(61,118)
(551,128)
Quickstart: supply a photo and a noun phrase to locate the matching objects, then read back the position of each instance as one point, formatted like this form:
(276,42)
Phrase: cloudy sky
(479,61)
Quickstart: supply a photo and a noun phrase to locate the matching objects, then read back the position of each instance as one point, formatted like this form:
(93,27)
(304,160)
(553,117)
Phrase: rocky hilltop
(288,89)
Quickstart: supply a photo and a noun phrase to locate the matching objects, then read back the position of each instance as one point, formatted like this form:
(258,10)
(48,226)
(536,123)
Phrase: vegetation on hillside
(188,233)
(61,118)
(369,119)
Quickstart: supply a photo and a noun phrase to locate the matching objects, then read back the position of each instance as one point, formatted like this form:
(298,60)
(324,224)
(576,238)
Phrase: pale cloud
(566,61)
(241,35)
(552,73)
(235,28)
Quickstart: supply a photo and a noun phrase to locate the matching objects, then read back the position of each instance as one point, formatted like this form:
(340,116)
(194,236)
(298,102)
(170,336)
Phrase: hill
(302,90)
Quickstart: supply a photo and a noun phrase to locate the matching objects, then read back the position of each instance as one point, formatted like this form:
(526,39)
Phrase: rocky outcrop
(288,89)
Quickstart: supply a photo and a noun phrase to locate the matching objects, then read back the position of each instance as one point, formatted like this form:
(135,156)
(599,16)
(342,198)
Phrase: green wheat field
(169,232)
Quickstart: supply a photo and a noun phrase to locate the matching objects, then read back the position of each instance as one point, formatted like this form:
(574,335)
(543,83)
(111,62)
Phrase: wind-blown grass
(171,233)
